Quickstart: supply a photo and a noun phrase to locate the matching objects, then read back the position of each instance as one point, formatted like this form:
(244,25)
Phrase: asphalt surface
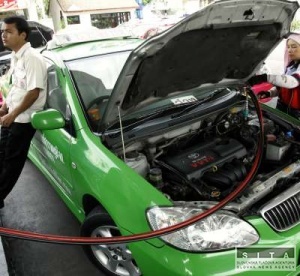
(33,205)
(3,264)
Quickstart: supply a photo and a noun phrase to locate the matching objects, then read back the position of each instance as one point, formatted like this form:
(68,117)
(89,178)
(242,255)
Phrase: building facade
(101,14)
(30,9)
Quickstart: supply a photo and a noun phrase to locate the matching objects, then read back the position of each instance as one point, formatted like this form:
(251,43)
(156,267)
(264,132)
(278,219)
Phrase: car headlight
(221,230)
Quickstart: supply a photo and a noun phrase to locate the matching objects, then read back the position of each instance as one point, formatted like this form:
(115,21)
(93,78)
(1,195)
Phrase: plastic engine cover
(194,162)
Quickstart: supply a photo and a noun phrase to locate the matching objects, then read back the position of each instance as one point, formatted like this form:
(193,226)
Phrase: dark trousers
(14,145)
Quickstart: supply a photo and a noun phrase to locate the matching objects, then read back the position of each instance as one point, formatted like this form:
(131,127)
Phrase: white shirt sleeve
(285,81)
(35,72)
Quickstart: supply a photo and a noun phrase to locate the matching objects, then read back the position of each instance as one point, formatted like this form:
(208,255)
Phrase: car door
(52,147)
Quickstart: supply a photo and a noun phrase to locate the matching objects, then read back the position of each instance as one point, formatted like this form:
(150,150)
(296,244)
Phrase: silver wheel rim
(116,258)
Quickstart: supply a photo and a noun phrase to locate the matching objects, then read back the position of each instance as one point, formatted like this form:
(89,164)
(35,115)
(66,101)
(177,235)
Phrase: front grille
(283,212)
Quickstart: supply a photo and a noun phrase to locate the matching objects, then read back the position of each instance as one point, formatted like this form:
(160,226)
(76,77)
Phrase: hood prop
(122,137)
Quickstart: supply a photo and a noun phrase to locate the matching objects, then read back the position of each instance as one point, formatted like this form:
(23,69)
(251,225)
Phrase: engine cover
(194,162)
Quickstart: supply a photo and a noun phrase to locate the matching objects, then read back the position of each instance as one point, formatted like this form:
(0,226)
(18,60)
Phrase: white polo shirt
(29,71)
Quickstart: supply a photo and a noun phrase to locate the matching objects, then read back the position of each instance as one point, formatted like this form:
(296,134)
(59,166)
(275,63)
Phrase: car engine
(206,159)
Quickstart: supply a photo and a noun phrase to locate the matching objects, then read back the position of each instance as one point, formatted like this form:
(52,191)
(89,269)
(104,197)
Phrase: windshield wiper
(198,102)
(161,112)
(150,116)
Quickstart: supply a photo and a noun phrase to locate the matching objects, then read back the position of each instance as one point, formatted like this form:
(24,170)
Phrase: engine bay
(206,159)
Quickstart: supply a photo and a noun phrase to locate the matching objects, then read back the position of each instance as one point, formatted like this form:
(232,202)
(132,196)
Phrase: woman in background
(286,86)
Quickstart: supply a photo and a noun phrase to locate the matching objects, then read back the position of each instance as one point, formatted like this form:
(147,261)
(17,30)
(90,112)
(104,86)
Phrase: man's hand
(7,119)
(257,79)
(2,112)
(263,95)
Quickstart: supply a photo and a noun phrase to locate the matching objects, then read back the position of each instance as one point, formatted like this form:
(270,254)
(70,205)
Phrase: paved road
(34,205)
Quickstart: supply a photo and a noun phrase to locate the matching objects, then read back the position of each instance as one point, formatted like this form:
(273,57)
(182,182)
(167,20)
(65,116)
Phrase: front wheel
(113,259)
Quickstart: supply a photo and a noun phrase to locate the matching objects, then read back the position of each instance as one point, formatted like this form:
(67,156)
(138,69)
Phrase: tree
(295,26)
(46,5)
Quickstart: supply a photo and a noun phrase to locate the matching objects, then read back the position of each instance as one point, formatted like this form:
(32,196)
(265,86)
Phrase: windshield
(96,76)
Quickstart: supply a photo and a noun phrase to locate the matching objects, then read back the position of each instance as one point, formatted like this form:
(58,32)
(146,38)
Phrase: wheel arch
(89,203)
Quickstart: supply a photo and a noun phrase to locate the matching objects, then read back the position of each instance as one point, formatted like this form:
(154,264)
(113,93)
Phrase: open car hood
(225,40)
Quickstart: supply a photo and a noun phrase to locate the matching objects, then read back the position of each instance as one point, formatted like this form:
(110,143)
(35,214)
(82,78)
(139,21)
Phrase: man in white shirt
(26,95)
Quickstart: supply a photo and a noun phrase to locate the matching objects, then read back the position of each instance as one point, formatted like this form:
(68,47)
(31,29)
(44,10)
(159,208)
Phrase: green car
(140,135)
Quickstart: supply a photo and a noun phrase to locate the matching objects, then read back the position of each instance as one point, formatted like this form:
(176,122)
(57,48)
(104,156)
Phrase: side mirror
(47,119)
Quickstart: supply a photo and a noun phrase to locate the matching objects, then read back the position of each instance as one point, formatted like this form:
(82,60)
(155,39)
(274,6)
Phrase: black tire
(115,259)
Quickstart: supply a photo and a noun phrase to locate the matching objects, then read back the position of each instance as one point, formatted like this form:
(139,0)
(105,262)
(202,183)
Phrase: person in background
(27,94)
(287,86)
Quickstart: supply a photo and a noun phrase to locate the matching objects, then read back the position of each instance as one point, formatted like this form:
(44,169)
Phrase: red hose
(152,234)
